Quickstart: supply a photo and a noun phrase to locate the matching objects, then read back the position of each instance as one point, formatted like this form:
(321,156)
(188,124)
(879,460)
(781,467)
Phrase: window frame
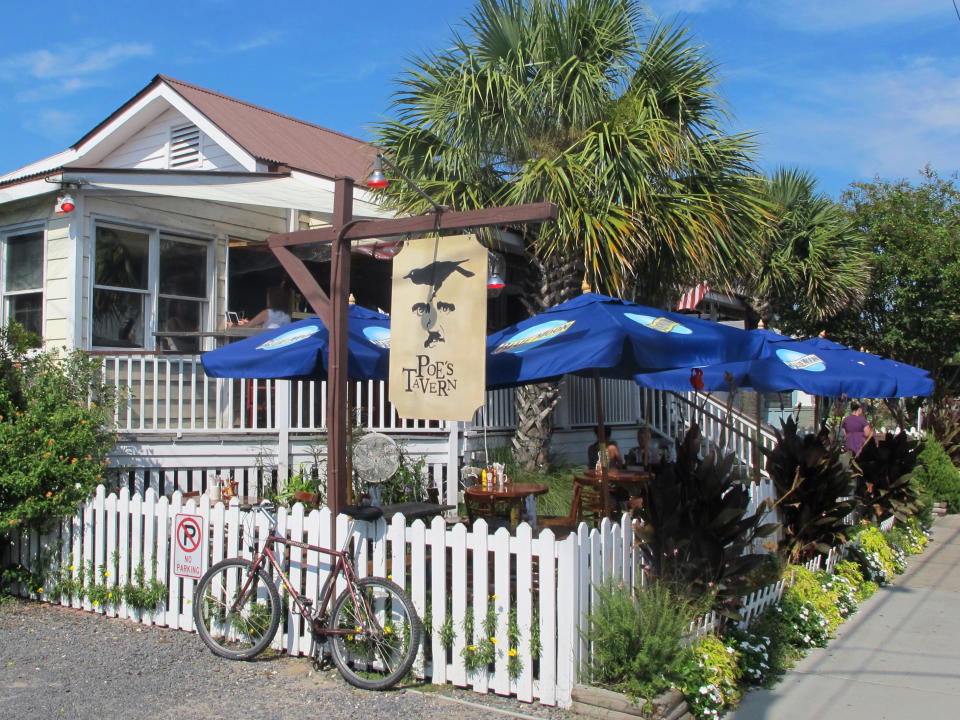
(152,291)
(14,231)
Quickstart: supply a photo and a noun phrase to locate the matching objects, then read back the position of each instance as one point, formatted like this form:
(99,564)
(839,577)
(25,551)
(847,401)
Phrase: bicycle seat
(362,512)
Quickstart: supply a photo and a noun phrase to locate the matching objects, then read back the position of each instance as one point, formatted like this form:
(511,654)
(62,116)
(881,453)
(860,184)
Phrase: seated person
(277,312)
(614,458)
(639,455)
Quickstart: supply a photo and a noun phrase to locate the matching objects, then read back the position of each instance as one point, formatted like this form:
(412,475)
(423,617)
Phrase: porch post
(451,491)
(283,432)
(337,390)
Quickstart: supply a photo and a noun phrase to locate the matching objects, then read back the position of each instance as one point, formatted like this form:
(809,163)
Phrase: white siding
(57,290)
(147,149)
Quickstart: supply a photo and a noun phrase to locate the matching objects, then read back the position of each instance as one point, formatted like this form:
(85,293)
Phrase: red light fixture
(377,180)
(65,204)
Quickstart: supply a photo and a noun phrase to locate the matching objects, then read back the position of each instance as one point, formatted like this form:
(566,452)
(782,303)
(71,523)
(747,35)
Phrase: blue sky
(849,89)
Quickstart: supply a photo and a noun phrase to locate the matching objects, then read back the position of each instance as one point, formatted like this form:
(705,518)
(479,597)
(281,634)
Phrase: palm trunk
(557,281)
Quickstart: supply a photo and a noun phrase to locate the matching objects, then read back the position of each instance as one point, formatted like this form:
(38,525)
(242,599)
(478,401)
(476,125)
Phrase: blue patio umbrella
(599,335)
(300,350)
(818,367)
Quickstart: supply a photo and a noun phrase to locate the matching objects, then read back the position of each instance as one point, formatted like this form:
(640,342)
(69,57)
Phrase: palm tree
(812,261)
(580,103)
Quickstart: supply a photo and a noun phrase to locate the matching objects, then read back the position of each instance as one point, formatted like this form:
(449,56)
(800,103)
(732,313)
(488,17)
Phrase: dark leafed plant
(884,484)
(943,422)
(695,526)
(811,482)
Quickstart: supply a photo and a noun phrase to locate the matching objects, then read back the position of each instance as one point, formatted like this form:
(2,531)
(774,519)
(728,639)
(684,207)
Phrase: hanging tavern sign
(438,322)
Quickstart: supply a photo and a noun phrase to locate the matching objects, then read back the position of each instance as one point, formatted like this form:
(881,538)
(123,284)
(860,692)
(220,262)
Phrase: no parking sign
(187,553)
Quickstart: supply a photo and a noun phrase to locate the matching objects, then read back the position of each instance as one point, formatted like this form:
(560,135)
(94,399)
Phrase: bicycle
(373,629)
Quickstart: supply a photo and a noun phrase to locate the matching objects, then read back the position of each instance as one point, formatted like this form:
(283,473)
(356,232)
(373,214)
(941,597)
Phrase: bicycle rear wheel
(232,625)
(381,633)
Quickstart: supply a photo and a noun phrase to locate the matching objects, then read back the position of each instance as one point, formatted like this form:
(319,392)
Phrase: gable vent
(184,146)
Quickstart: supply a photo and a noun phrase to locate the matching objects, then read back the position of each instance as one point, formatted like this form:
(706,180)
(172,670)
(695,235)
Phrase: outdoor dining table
(631,481)
(519,496)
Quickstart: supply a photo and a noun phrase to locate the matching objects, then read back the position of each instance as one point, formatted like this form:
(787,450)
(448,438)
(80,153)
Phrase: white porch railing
(670,414)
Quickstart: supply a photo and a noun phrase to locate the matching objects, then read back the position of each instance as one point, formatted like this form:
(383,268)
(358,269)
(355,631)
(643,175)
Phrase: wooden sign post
(332,310)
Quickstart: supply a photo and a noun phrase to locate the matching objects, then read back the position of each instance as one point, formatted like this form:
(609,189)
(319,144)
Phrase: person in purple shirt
(856,429)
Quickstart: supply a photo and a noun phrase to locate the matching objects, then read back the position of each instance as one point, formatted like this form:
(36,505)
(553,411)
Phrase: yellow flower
(493,640)
(109,595)
(471,648)
(493,597)
(95,603)
(387,630)
(72,568)
(356,630)
(39,590)
(106,573)
(513,652)
(389,577)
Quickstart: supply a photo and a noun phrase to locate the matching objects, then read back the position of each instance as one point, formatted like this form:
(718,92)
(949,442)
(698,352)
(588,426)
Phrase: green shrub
(639,639)
(711,677)
(870,549)
(938,475)
(916,536)
(899,544)
(804,626)
(753,655)
(781,654)
(55,429)
(850,571)
(806,587)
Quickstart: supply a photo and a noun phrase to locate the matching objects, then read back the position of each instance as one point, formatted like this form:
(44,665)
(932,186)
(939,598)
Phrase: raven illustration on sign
(436,273)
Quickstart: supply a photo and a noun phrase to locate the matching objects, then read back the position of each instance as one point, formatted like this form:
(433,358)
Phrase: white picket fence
(446,571)
(548,586)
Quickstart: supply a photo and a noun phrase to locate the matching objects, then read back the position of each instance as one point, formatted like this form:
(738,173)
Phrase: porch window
(182,302)
(23,279)
(146,281)
(121,290)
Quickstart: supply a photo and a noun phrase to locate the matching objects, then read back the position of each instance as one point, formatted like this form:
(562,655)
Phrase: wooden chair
(586,505)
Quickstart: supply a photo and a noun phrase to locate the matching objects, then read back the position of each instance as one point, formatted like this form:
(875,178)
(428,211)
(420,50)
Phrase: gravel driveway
(59,662)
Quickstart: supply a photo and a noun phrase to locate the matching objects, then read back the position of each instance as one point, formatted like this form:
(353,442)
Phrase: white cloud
(70,61)
(263,40)
(55,124)
(830,15)
(665,8)
(820,15)
(51,91)
(887,122)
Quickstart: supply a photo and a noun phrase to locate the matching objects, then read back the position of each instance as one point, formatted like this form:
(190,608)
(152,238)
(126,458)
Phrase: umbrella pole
(601,442)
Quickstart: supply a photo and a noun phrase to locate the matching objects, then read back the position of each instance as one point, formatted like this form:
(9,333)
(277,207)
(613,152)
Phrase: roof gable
(279,139)
(254,137)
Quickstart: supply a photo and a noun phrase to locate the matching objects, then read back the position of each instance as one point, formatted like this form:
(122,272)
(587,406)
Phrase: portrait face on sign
(438,325)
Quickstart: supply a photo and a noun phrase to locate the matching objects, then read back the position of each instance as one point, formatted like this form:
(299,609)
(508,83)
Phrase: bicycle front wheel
(377,635)
(236,612)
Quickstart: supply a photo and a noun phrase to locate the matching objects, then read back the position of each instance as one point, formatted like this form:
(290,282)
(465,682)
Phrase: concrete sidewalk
(897,657)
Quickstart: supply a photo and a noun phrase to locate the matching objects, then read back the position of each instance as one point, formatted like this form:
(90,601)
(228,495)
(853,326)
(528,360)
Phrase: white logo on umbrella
(662,324)
(290,337)
(379,336)
(801,361)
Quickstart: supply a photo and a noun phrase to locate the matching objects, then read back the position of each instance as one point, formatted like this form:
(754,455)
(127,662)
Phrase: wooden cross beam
(332,309)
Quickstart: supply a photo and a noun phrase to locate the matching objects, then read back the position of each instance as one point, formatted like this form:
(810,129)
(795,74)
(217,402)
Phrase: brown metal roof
(271,136)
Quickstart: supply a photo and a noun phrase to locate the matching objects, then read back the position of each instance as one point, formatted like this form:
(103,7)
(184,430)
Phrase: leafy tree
(812,261)
(910,310)
(583,104)
(55,428)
